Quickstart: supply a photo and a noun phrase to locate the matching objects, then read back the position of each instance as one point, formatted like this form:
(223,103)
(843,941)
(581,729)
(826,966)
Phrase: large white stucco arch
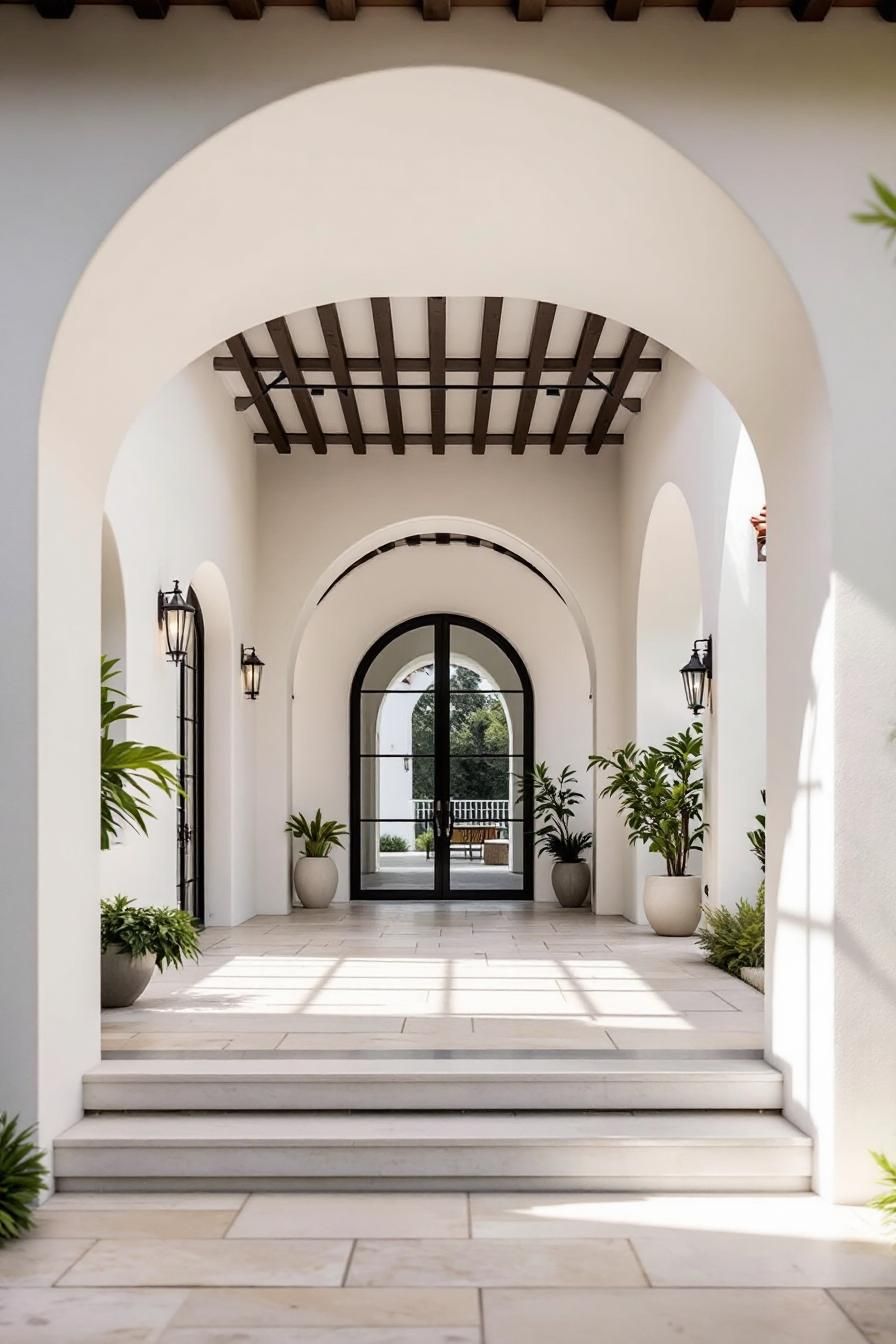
(694,273)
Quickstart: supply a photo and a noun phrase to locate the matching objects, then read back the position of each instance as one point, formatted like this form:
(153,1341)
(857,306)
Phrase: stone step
(652,1151)
(434,1083)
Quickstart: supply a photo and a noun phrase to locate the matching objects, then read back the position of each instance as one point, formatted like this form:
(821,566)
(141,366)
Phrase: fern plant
(168,934)
(735,938)
(555,803)
(881,210)
(23,1175)
(319,836)
(660,792)
(128,770)
(885,1202)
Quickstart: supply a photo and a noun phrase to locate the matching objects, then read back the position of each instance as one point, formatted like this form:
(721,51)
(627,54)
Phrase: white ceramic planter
(672,905)
(123,978)
(571,882)
(315,881)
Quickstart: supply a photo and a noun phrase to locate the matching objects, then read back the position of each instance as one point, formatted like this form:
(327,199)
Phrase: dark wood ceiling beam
(631,353)
(246,9)
(488,350)
(240,351)
(530,11)
(243,403)
(717,11)
(436,314)
(810,11)
(150,9)
(278,330)
(590,334)
(493,440)
(55,9)
(438,10)
(538,348)
(341,9)
(414,364)
(385,344)
(623,11)
(332,332)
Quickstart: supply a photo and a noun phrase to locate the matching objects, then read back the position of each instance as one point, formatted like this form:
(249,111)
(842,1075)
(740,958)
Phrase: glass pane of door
(396,768)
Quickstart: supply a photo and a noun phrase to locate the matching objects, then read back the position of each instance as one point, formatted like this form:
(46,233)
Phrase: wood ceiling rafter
(538,349)
(631,353)
(278,330)
(385,344)
(246,9)
(332,332)
(488,350)
(717,11)
(287,371)
(526,11)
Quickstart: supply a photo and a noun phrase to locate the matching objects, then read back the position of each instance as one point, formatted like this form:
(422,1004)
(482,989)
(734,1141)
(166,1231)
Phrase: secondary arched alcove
(695,274)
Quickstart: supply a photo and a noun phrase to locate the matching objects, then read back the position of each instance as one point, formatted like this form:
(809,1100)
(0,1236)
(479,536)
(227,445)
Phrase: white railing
(466,809)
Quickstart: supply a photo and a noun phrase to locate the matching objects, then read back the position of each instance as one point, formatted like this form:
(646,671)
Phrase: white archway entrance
(204,284)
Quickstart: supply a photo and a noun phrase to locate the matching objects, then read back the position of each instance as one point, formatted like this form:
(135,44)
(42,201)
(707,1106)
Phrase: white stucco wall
(90,117)
(181,504)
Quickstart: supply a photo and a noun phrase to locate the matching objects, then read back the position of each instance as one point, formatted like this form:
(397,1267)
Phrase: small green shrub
(169,934)
(424,841)
(885,1202)
(393,844)
(735,938)
(23,1175)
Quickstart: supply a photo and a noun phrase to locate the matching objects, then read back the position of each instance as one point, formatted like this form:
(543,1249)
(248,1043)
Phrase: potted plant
(554,805)
(315,877)
(23,1176)
(128,770)
(135,940)
(661,797)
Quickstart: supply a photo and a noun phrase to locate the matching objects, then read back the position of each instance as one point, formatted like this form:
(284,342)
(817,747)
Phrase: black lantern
(697,676)
(251,666)
(176,620)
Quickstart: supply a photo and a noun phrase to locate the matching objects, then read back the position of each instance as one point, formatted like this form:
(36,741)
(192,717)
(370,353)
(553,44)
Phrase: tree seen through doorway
(478,735)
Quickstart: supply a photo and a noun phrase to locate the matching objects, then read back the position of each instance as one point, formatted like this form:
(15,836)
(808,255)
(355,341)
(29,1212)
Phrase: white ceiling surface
(463,334)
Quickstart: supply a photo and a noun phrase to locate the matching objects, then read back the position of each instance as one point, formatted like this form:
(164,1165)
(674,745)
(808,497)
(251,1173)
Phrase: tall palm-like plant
(128,770)
(660,792)
(555,802)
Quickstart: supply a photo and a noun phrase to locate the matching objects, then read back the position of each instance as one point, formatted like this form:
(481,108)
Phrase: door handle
(437,819)
(450,828)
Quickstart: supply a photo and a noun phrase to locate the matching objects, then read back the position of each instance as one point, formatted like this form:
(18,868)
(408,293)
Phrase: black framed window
(190,746)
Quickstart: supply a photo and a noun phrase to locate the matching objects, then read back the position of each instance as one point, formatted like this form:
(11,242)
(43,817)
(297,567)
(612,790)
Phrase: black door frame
(191,749)
(441,623)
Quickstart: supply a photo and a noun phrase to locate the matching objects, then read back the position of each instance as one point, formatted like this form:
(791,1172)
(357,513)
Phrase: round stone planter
(123,978)
(571,882)
(315,881)
(672,905)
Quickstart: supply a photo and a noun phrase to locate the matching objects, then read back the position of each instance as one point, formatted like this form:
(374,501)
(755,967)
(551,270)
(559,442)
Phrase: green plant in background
(735,938)
(757,837)
(393,844)
(660,792)
(128,770)
(555,803)
(23,1175)
(169,934)
(424,842)
(319,836)
(881,210)
(885,1202)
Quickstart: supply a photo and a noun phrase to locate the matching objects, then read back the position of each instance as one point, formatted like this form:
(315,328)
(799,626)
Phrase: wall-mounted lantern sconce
(176,621)
(251,667)
(697,676)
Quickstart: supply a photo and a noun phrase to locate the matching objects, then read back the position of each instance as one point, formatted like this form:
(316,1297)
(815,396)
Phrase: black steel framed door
(442,720)
(191,732)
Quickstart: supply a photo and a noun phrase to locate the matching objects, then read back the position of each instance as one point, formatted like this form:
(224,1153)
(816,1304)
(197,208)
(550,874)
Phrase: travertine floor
(448,1269)
(377,976)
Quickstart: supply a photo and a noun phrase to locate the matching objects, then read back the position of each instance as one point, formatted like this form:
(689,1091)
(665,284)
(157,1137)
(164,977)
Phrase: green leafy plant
(424,842)
(881,210)
(660,792)
(885,1202)
(393,844)
(319,836)
(170,935)
(128,770)
(735,938)
(23,1175)
(757,837)
(555,803)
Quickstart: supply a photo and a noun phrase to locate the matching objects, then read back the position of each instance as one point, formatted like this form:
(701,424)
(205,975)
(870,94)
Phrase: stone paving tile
(353,1215)
(336,1308)
(86,1315)
(873,1310)
(489,1263)
(34,1263)
(180,1263)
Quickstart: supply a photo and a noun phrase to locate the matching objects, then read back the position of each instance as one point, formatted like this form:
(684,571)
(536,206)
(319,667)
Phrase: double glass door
(441,746)
(190,772)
